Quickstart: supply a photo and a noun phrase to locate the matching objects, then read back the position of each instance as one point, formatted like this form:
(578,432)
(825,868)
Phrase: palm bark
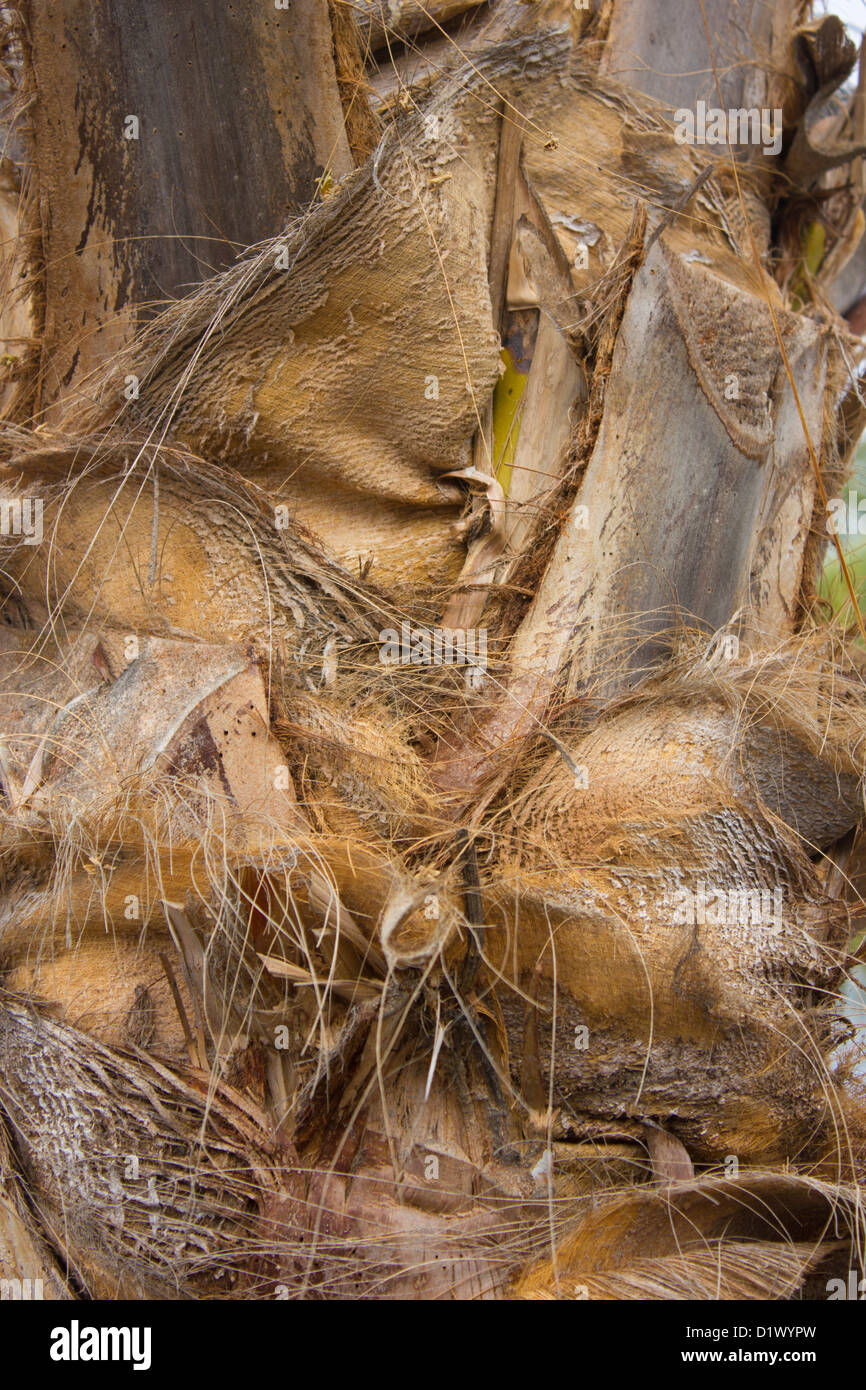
(403,947)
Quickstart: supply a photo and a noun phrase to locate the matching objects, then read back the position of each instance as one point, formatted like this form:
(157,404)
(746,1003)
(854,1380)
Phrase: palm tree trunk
(430,779)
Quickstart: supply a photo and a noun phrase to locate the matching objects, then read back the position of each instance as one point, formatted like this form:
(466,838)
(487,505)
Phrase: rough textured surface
(158,542)
(289,993)
(191,190)
(112,1151)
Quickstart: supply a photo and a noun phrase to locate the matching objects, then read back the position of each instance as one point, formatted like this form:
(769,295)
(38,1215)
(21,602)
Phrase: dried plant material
(150,197)
(831,55)
(712,1238)
(382,22)
(430,801)
(654,858)
(670,1159)
(157,541)
(126,1177)
(301,353)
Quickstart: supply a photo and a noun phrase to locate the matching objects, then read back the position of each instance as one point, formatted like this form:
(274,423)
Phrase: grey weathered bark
(669,61)
(145,189)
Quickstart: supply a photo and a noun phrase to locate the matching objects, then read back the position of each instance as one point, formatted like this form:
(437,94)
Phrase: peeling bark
(134,214)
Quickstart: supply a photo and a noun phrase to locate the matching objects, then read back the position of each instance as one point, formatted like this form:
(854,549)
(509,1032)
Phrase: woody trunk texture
(432,785)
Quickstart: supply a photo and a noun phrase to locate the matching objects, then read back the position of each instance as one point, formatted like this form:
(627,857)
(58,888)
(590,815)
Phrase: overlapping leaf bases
(346,978)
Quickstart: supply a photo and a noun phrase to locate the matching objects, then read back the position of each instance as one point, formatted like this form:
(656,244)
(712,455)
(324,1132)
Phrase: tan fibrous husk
(150,1184)
(712,790)
(714,1238)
